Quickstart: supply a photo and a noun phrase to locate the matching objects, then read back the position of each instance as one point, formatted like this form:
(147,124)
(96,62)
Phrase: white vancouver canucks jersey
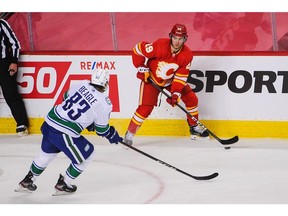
(83,106)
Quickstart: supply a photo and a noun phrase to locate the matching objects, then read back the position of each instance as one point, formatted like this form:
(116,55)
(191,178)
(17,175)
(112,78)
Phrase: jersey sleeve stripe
(137,50)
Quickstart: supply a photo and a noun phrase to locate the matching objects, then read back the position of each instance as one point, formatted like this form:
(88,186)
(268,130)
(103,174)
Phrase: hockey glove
(174,99)
(143,73)
(113,136)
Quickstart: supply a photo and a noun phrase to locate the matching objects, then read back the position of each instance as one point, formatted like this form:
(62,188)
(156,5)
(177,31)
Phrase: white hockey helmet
(100,77)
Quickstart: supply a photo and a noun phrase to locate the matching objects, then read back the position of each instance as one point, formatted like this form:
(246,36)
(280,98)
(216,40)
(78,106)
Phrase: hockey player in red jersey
(167,63)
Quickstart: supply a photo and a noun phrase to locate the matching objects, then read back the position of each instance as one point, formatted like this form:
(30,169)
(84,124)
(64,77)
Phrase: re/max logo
(89,65)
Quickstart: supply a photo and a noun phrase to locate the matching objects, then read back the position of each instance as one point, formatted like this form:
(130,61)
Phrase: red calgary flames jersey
(166,68)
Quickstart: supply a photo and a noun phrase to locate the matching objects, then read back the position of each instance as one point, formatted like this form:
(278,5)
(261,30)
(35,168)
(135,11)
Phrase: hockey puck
(227,147)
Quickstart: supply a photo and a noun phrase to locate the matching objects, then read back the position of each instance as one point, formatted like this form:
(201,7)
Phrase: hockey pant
(79,150)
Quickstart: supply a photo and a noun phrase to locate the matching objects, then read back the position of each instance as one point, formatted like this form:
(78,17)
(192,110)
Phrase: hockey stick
(222,141)
(208,177)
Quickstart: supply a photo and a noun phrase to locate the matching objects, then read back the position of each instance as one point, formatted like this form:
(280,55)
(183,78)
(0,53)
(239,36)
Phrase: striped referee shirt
(9,44)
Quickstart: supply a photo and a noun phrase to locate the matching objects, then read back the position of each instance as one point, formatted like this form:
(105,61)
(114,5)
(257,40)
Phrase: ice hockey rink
(253,171)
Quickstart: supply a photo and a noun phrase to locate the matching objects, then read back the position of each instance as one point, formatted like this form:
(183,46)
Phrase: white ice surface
(253,171)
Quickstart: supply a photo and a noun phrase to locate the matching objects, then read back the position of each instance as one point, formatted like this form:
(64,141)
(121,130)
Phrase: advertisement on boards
(228,87)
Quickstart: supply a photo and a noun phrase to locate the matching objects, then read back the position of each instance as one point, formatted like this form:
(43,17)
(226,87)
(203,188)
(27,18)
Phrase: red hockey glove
(174,99)
(143,73)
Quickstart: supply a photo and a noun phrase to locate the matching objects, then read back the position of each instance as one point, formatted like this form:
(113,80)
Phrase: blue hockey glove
(91,128)
(113,136)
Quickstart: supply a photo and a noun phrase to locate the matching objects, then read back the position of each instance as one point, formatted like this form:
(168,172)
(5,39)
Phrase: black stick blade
(229,141)
(224,142)
(214,175)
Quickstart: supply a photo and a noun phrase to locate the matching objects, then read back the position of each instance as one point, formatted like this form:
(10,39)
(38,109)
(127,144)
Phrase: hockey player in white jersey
(85,106)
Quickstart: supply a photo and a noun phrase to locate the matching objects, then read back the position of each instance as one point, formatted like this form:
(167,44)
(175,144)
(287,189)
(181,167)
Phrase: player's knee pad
(189,97)
(43,158)
(82,166)
(144,110)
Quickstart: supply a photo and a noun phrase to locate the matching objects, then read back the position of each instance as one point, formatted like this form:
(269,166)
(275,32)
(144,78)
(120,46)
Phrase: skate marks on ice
(253,171)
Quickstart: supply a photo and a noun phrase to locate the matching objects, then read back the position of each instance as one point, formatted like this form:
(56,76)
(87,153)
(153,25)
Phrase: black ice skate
(26,185)
(22,130)
(62,188)
(198,132)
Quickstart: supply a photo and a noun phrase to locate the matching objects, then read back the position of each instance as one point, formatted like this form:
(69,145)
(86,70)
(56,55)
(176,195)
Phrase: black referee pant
(11,94)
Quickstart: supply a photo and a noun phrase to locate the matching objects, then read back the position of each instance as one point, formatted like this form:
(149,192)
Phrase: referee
(9,54)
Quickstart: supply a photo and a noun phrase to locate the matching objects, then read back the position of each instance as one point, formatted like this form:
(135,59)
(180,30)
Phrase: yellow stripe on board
(168,127)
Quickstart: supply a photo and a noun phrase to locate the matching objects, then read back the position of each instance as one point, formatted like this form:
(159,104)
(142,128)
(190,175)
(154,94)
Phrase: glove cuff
(176,93)
(143,69)
(111,132)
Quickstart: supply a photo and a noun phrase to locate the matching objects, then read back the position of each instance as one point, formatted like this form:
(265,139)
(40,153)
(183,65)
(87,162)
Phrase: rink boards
(239,93)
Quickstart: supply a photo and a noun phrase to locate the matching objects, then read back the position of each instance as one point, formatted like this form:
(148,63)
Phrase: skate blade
(23,133)
(62,193)
(195,137)
(23,190)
